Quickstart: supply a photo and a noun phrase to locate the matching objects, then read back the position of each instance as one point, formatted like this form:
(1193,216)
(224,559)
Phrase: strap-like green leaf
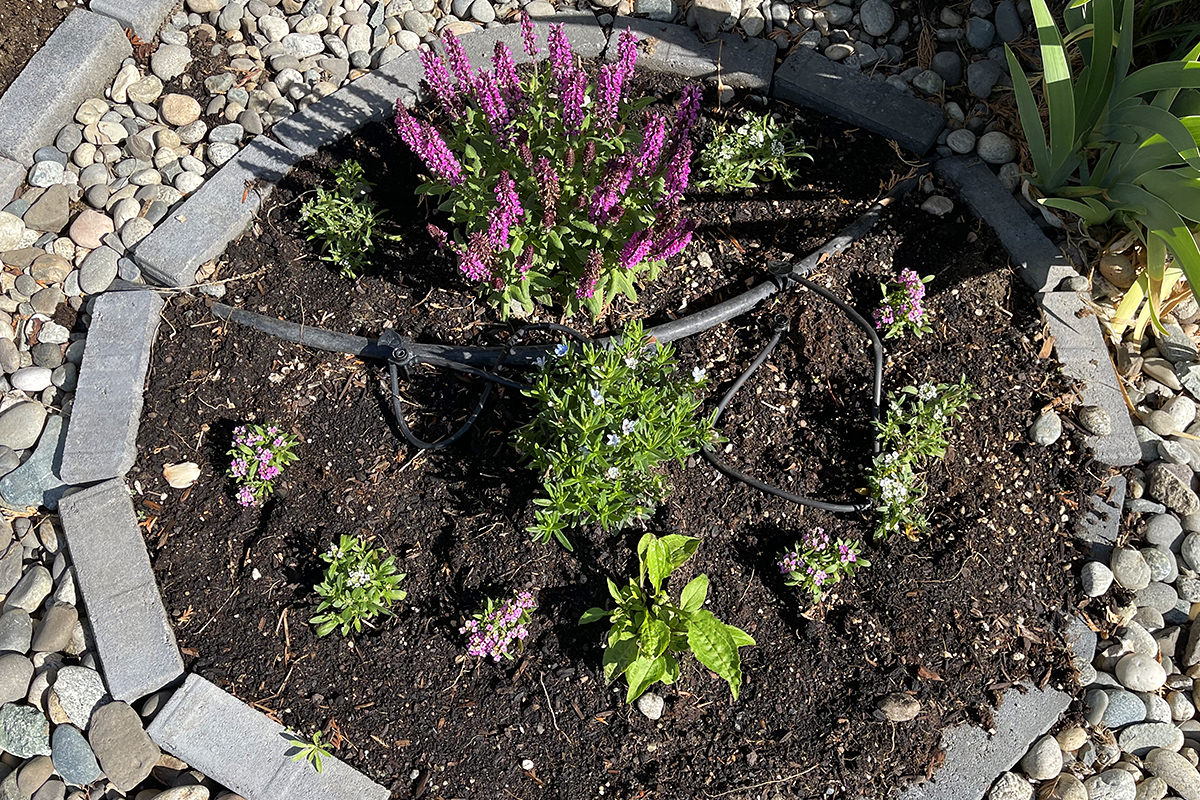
(1056,79)
(713,646)
(1151,120)
(692,596)
(1098,74)
(1031,120)
(1179,188)
(1156,77)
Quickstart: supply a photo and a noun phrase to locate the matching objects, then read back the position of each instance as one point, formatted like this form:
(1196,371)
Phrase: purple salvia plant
(439,82)
(611,189)
(506,213)
(457,58)
(608,93)
(688,113)
(525,262)
(408,127)
(528,36)
(636,249)
(589,155)
(590,275)
(627,54)
(654,138)
(572,102)
(424,140)
(438,235)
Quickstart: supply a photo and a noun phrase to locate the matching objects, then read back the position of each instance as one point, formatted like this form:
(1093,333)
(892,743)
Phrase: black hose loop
(779,328)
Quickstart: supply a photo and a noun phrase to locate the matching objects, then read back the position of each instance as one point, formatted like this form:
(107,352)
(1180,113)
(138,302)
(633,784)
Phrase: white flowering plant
(817,562)
(360,585)
(916,431)
(606,421)
(343,220)
(758,150)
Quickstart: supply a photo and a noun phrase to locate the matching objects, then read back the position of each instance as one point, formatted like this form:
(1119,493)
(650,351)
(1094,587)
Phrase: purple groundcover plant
(257,458)
(500,628)
(902,310)
(817,562)
(558,189)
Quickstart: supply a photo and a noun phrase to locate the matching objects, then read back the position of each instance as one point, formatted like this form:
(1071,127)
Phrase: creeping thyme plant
(817,563)
(559,190)
(915,432)
(499,628)
(648,629)
(758,150)
(606,419)
(360,585)
(902,311)
(344,220)
(258,456)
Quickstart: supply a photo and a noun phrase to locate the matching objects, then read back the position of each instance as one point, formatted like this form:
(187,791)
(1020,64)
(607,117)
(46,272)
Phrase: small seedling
(310,750)
(258,457)
(344,220)
(360,585)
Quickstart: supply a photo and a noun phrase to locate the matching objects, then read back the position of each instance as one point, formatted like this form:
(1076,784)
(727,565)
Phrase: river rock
(1046,429)
(125,752)
(1115,784)
(21,425)
(1129,568)
(1143,737)
(24,731)
(1176,770)
(73,758)
(1169,484)
(1140,673)
(79,691)
(1044,760)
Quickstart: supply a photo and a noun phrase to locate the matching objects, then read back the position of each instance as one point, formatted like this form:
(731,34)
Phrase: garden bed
(953,619)
(26,25)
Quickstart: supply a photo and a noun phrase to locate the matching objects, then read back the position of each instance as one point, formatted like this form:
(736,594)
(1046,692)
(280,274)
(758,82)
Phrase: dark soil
(27,24)
(952,619)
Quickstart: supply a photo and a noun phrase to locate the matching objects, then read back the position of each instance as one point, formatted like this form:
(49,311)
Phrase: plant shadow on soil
(940,618)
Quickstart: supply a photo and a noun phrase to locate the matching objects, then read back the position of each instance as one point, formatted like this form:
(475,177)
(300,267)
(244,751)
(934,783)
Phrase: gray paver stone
(245,751)
(677,49)
(214,215)
(144,17)
(812,80)
(76,62)
(974,759)
(102,434)
(133,636)
(12,177)
(36,482)
(1101,521)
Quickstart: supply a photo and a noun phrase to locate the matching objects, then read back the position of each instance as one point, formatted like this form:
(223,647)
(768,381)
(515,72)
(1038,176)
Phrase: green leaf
(692,596)
(593,615)
(710,641)
(679,548)
(657,565)
(641,674)
(654,638)
(1056,78)
(740,637)
(617,658)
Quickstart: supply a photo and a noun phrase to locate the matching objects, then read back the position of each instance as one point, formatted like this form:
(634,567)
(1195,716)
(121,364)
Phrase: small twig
(550,705)
(764,783)
(228,600)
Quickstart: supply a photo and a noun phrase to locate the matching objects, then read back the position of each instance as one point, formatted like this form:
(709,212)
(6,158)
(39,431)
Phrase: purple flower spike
(689,111)
(408,128)
(493,106)
(673,240)
(525,262)
(528,36)
(608,92)
(572,101)
(438,79)
(506,75)
(437,156)
(654,138)
(457,57)
(549,190)
(611,189)
(506,213)
(562,59)
(679,172)
(475,260)
(636,249)
(591,274)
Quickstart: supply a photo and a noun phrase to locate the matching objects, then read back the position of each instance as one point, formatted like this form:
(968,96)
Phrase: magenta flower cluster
(498,630)
(554,181)
(903,308)
(817,562)
(257,458)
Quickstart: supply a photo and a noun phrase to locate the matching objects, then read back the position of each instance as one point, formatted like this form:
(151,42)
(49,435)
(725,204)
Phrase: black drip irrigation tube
(400,352)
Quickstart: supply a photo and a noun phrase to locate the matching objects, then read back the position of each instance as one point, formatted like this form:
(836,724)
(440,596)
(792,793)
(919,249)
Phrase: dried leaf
(181,476)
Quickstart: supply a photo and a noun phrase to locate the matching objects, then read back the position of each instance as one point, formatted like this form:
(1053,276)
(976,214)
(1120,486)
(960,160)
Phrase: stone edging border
(241,748)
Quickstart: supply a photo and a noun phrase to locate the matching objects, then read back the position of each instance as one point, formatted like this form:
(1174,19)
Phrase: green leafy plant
(915,432)
(1119,148)
(360,585)
(760,150)
(902,310)
(344,220)
(648,629)
(817,564)
(606,420)
(559,190)
(258,457)
(311,750)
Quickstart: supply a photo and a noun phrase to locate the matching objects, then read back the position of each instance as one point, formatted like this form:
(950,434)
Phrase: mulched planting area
(953,619)
(27,24)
